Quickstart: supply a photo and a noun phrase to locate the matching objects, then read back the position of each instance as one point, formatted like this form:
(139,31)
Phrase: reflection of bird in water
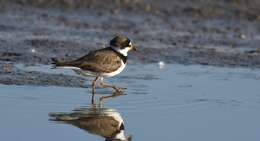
(107,123)
(106,62)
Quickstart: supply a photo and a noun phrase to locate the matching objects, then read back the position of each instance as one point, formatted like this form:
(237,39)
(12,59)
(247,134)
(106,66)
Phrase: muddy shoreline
(222,33)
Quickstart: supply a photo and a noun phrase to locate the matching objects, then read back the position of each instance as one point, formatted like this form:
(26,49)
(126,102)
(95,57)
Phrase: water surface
(175,103)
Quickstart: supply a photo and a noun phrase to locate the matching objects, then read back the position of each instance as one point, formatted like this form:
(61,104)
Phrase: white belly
(89,73)
(115,72)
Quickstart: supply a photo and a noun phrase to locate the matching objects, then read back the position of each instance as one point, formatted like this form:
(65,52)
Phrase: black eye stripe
(125,46)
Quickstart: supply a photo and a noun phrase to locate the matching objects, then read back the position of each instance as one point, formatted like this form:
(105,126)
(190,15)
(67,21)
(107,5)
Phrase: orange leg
(115,94)
(104,85)
(94,89)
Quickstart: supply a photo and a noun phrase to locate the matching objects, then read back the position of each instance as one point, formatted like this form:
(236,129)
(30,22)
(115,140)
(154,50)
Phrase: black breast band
(124,58)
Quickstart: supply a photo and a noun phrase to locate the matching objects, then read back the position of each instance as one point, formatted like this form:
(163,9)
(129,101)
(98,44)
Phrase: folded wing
(104,60)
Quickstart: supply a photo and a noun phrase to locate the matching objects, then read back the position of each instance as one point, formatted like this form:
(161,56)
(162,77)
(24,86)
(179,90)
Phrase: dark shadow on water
(98,120)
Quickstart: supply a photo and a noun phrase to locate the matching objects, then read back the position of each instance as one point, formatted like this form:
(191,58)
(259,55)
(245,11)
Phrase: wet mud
(218,33)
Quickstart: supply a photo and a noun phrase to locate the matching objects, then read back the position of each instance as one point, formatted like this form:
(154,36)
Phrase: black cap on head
(120,41)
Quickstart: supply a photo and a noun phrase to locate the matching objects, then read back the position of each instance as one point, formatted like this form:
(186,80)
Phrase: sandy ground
(219,33)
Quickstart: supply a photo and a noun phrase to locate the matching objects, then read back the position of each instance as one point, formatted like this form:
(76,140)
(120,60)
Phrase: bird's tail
(62,117)
(57,62)
(60,63)
(63,64)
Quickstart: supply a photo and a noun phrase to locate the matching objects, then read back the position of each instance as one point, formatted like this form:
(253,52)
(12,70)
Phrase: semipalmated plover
(104,122)
(106,62)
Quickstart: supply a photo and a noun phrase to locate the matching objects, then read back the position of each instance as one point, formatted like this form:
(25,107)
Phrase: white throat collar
(121,51)
(120,135)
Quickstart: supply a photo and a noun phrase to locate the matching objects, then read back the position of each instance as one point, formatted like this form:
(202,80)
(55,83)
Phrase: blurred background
(222,33)
(195,75)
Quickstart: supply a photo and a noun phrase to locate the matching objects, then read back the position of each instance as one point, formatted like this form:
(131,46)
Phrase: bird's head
(122,44)
(120,136)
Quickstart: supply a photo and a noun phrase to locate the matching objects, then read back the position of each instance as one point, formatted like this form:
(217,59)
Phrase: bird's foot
(118,92)
(114,94)
(119,89)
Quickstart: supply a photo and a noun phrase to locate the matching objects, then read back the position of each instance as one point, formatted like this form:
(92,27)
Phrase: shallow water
(175,103)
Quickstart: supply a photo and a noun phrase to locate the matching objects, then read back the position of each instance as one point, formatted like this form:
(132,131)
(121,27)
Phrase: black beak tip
(134,48)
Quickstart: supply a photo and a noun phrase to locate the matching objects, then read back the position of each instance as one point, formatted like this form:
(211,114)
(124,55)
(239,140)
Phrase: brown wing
(104,60)
(100,125)
(94,123)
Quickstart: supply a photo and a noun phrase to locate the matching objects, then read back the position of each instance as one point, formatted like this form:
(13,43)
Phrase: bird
(105,122)
(105,62)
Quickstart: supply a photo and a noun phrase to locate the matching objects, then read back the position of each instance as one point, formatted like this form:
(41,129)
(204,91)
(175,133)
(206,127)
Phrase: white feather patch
(113,113)
(122,51)
(89,73)
(67,67)
(120,135)
(120,69)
